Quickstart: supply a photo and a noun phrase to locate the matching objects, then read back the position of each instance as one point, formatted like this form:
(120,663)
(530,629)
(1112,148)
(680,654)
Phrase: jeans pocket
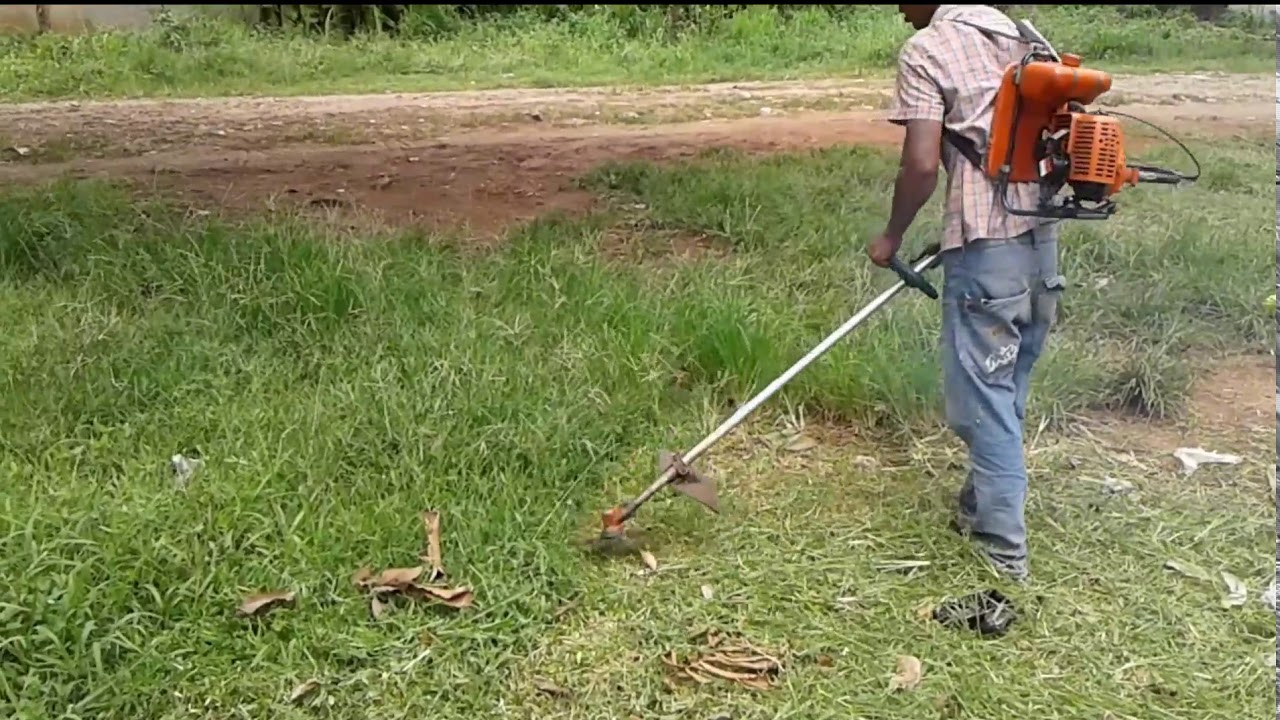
(989,334)
(1046,310)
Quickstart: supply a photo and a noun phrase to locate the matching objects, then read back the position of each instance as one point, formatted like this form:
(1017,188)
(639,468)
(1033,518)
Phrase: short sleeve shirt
(950,72)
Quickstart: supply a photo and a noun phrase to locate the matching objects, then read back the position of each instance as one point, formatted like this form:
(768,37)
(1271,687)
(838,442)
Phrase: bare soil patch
(1231,408)
(484,161)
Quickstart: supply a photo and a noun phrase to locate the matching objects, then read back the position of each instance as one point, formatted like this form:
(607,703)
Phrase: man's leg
(987,307)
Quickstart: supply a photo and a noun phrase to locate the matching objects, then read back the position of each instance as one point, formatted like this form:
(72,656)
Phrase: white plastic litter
(1193,458)
(1269,595)
(184,468)
(1237,591)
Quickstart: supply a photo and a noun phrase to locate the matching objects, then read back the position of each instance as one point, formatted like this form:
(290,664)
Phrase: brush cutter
(676,471)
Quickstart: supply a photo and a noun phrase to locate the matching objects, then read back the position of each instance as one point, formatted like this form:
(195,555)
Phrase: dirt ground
(486,160)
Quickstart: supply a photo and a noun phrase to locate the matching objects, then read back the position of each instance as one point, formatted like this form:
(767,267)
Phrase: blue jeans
(999,300)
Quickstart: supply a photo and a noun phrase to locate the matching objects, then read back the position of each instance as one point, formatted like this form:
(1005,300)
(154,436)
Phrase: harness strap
(966,147)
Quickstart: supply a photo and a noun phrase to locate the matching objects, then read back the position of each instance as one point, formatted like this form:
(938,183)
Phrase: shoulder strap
(962,144)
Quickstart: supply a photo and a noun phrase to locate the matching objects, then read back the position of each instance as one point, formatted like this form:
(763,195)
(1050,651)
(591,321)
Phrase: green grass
(589,48)
(336,388)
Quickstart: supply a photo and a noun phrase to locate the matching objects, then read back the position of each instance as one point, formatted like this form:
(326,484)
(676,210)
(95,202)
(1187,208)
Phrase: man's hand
(883,248)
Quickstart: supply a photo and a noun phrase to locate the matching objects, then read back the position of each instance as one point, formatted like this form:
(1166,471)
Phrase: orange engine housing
(1032,101)
(1095,150)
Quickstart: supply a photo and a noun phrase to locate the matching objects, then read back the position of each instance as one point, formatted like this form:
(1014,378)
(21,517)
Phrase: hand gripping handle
(911,278)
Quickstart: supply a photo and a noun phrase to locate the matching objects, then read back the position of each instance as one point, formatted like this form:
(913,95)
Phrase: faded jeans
(999,300)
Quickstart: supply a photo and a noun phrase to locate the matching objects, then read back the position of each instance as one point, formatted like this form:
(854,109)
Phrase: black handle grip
(911,278)
(1159,176)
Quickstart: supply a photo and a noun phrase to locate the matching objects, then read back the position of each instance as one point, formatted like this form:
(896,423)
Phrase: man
(1000,271)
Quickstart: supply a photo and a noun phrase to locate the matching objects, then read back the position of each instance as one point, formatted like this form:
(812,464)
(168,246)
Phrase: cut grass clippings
(607,45)
(332,389)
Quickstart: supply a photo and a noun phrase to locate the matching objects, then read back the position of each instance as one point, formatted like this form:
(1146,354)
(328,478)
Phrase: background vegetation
(435,47)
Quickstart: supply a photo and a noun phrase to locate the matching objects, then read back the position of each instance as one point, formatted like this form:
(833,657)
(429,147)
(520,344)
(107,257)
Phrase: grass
(618,46)
(337,388)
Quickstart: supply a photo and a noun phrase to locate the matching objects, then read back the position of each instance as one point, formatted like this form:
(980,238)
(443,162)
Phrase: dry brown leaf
(396,578)
(431,553)
(564,609)
(362,577)
(377,608)
(909,672)
(948,707)
(866,461)
(924,612)
(714,669)
(745,659)
(801,443)
(546,687)
(739,663)
(757,683)
(649,560)
(707,636)
(303,691)
(456,598)
(697,677)
(825,661)
(259,605)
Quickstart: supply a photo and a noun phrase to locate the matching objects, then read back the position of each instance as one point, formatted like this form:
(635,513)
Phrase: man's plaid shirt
(950,72)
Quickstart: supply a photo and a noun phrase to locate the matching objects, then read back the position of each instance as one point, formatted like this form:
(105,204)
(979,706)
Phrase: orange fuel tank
(1029,97)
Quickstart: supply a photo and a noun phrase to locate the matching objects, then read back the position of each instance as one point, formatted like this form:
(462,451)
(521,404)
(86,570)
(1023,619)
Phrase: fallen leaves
(801,443)
(259,605)
(454,597)
(396,578)
(736,662)
(550,689)
(431,551)
(908,673)
(404,582)
(649,560)
(377,608)
(303,691)
(420,583)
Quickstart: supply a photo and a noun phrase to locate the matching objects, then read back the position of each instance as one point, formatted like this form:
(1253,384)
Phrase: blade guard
(690,482)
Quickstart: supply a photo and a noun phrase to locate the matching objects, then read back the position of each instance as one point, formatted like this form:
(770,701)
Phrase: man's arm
(917,174)
(917,105)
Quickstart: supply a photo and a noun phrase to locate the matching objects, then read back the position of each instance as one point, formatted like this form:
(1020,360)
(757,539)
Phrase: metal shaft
(750,406)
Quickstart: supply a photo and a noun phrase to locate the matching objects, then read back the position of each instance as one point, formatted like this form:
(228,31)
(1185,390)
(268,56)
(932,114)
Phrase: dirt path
(488,159)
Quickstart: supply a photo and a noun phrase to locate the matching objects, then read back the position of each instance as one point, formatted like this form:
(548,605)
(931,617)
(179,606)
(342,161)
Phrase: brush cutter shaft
(750,406)
(736,419)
